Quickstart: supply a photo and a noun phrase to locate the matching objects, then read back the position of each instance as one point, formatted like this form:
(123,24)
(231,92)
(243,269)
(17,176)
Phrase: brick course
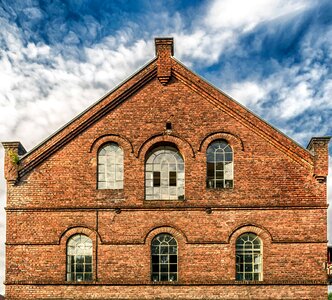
(279,193)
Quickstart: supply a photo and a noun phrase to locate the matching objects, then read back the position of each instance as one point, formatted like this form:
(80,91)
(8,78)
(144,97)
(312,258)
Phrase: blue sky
(59,57)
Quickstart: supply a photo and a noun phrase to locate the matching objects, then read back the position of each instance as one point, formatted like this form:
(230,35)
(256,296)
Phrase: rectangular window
(172,178)
(156,178)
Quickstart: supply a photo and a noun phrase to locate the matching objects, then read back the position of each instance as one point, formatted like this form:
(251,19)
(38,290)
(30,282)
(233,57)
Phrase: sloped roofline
(127,79)
(241,105)
(180,71)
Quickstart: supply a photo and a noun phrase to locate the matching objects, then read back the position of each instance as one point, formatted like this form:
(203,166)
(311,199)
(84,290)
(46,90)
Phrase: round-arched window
(164,174)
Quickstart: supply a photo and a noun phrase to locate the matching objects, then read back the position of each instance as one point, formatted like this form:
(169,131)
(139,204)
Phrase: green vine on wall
(13,157)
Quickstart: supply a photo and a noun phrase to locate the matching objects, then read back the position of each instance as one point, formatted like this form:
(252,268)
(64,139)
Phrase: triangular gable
(242,114)
(163,66)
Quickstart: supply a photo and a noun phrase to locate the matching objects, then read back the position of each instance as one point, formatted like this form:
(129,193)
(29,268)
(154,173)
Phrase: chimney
(13,151)
(164,53)
(319,147)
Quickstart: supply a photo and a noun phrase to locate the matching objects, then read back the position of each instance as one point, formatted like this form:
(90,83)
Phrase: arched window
(164,174)
(110,167)
(248,257)
(164,258)
(219,159)
(79,258)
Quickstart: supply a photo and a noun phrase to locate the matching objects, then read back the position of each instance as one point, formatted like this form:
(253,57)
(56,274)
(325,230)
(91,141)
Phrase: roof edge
(127,79)
(295,144)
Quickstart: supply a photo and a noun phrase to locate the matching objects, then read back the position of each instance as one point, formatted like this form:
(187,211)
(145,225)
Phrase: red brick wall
(275,195)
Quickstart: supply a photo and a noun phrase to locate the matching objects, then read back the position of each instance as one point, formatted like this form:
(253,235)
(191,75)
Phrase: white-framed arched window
(249,253)
(164,258)
(164,174)
(110,167)
(79,258)
(219,165)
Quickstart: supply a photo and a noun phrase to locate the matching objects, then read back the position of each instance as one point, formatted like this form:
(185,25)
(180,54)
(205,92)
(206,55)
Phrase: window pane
(172,178)
(156,178)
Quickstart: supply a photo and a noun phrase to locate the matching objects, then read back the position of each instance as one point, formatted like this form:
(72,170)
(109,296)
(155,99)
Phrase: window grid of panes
(110,167)
(164,258)
(248,257)
(219,157)
(164,175)
(79,258)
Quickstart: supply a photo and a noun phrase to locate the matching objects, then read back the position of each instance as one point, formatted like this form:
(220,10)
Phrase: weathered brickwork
(279,194)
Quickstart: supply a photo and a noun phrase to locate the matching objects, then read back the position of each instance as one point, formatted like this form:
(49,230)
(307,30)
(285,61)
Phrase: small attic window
(168,126)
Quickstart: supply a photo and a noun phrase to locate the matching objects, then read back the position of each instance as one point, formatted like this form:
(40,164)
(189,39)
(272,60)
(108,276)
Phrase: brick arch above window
(260,231)
(69,232)
(177,234)
(234,141)
(184,147)
(123,142)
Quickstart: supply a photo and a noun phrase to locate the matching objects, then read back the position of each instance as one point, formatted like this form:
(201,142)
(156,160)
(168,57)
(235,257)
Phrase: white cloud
(248,93)
(244,15)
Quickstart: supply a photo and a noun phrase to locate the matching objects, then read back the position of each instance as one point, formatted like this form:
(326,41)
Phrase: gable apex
(164,66)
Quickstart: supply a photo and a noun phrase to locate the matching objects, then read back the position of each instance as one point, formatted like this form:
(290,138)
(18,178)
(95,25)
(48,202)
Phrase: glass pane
(88,276)
(79,258)
(248,276)
(239,276)
(172,178)
(155,259)
(173,268)
(155,268)
(155,277)
(163,277)
(173,277)
(156,178)
(79,277)
(173,259)
(163,268)
(79,268)
(88,268)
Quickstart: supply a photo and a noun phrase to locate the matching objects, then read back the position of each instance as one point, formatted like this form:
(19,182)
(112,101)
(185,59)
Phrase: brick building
(166,188)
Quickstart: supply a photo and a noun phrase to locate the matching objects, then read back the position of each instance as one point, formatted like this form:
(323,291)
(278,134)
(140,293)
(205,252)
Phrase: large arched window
(219,159)
(248,257)
(164,174)
(79,258)
(110,167)
(164,258)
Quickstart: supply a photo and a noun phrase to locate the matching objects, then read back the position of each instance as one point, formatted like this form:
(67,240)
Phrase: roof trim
(293,144)
(88,108)
(27,166)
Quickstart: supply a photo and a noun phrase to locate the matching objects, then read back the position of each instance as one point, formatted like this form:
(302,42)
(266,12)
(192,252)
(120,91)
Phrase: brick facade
(279,194)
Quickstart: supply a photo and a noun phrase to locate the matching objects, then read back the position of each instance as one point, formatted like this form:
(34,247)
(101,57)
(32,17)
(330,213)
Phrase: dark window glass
(164,264)
(156,178)
(172,178)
